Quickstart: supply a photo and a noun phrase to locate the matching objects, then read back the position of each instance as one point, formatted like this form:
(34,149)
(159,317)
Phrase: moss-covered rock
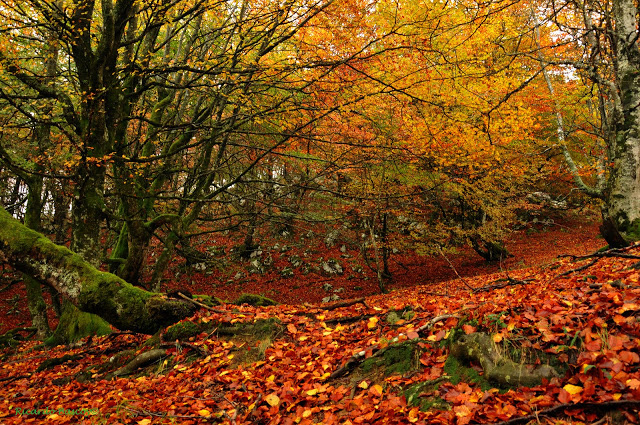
(254,300)
(182,331)
(396,359)
(208,300)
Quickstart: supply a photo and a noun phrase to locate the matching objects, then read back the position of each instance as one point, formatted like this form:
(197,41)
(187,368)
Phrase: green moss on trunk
(121,304)
(75,325)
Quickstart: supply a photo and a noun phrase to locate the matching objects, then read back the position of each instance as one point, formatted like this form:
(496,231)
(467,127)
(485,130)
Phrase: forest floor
(554,343)
(537,243)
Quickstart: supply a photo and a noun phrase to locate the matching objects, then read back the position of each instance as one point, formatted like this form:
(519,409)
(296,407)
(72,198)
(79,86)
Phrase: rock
(392,318)
(295,261)
(546,199)
(331,238)
(330,298)
(200,267)
(286,272)
(332,268)
(256,266)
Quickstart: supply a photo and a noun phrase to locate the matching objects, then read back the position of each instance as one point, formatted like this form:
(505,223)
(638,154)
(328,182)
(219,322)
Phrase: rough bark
(116,301)
(623,201)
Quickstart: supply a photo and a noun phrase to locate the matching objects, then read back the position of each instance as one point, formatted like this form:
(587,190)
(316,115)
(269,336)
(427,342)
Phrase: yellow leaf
(271,378)
(312,392)
(272,399)
(373,321)
(204,412)
(497,338)
(572,389)
(617,396)
(144,422)
(413,415)
(363,385)
(307,413)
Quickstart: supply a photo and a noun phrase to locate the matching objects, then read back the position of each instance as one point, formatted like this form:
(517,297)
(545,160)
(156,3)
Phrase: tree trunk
(116,301)
(33,220)
(623,200)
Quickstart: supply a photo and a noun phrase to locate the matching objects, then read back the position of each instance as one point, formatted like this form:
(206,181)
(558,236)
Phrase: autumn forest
(320,211)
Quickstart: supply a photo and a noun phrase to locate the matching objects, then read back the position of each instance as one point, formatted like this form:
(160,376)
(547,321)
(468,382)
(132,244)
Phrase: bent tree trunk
(116,301)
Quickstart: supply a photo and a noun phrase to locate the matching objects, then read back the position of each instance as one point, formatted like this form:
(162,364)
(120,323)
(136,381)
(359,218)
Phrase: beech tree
(159,111)
(598,43)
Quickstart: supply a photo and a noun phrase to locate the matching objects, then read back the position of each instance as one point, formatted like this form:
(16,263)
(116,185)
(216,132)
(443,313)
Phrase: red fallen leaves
(291,385)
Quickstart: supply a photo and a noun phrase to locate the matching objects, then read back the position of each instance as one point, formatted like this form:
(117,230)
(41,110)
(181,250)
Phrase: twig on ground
(341,304)
(505,282)
(206,307)
(349,319)
(613,252)
(464,281)
(9,285)
(581,268)
(606,406)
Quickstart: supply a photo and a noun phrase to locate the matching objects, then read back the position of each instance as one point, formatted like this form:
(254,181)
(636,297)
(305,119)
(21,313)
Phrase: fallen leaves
(593,331)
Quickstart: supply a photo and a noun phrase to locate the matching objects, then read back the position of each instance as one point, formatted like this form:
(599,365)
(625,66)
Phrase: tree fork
(115,300)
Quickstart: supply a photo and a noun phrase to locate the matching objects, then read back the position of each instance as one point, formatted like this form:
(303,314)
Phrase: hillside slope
(574,326)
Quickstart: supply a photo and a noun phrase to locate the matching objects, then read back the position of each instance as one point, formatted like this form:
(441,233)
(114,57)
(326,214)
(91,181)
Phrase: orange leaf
(376,390)
(291,328)
(412,335)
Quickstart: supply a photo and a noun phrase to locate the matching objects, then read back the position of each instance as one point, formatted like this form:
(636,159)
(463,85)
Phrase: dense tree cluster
(136,124)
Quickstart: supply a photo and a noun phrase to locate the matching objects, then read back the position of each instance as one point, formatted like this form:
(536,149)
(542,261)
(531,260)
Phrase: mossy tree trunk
(90,290)
(32,219)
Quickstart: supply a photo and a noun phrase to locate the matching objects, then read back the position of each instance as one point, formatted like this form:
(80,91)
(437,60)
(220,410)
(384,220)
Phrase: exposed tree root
(479,347)
(141,360)
(503,283)
(360,356)
(13,336)
(579,269)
